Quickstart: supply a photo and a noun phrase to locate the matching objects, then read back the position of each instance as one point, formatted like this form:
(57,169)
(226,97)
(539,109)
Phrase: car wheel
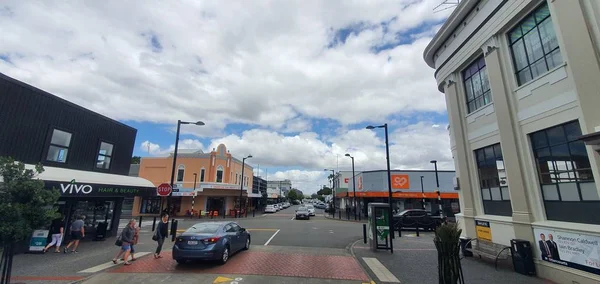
(247,246)
(181,261)
(224,255)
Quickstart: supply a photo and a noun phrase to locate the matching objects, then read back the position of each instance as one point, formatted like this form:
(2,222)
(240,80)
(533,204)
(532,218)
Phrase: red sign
(346,180)
(164,189)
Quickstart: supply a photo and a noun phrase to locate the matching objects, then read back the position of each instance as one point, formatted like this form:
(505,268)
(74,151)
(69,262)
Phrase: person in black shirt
(56,231)
(161,232)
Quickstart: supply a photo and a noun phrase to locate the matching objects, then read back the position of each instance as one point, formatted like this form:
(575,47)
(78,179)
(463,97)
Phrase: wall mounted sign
(75,189)
(484,232)
(400,182)
(569,249)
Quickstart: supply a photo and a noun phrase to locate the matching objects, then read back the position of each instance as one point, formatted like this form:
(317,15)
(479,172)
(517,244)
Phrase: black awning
(76,189)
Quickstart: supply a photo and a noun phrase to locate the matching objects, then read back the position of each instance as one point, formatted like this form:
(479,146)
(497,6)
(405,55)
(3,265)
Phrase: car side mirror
(242,229)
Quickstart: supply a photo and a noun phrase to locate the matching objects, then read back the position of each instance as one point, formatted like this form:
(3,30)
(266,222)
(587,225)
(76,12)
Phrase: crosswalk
(109,264)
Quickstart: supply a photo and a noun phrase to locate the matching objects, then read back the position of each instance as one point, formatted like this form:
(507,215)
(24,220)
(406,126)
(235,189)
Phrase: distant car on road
(286,205)
(413,218)
(211,241)
(320,206)
(311,209)
(302,213)
(270,209)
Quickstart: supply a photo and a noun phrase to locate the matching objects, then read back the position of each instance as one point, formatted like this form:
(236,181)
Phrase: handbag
(155,235)
(118,242)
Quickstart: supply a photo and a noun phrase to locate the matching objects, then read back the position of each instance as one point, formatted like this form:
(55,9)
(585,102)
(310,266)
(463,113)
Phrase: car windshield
(402,213)
(204,228)
(302,209)
(310,207)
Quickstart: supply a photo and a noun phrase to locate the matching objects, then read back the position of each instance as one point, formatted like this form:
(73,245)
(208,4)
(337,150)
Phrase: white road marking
(268,241)
(109,264)
(380,271)
(293,218)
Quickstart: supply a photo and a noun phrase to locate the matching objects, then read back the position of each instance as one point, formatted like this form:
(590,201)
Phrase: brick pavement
(260,263)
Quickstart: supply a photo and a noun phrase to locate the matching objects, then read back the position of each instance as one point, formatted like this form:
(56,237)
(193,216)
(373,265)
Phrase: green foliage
(447,237)
(24,203)
(314,196)
(448,233)
(322,198)
(135,160)
(292,195)
(324,191)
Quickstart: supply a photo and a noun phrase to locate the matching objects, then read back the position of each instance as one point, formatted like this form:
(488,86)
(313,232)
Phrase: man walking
(77,234)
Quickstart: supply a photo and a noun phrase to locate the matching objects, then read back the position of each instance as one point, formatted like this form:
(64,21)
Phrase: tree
(292,195)
(25,206)
(324,191)
(135,160)
(314,196)
(322,198)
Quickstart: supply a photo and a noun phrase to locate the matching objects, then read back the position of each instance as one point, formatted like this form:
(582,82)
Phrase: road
(283,250)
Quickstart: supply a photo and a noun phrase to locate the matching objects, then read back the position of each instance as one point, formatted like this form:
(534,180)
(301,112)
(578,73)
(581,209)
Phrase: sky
(292,83)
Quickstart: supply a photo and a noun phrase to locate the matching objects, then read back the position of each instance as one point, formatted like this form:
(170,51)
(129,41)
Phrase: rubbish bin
(522,256)
(464,245)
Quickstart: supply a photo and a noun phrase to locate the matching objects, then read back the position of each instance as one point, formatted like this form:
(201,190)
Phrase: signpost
(164,189)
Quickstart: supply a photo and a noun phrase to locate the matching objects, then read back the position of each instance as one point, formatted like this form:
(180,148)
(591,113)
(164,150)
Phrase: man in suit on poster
(553,247)
(544,248)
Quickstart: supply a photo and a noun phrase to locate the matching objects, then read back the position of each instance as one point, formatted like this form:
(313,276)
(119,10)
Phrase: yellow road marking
(222,279)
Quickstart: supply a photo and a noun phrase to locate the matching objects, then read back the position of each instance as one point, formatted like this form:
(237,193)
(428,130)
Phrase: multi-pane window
(219,174)
(492,181)
(201,175)
(477,85)
(104,156)
(180,173)
(534,45)
(59,146)
(150,205)
(565,173)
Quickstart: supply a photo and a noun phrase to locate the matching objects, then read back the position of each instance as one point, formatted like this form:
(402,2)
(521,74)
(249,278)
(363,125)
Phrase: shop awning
(90,184)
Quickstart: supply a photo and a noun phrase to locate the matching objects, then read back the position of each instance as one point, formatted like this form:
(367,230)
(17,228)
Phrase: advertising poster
(569,249)
(484,232)
(383,225)
(38,240)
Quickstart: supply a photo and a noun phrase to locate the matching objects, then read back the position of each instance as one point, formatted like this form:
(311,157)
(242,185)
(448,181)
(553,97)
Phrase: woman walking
(57,230)
(127,240)
(136,236)
(162,231)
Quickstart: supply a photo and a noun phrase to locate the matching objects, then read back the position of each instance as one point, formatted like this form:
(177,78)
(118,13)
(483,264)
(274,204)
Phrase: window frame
(50,144)
(222,170)
(145,199)
(202,174)
(467,79)
(104,155)
(179,168)
(527,54)
(492,206)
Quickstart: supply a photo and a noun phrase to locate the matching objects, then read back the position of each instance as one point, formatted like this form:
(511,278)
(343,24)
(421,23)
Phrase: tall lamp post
(242,181)
(332,187)
(179,123)
(423,194)
(194,196)
(389,180)
(437,182)
(353,186)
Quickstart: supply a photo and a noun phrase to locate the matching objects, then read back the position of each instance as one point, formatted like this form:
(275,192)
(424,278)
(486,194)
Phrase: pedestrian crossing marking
(221,279)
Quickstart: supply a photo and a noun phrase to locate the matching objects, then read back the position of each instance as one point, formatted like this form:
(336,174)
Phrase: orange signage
(443,195)
(400,182)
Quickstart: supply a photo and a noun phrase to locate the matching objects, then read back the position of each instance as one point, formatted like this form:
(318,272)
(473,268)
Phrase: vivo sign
(74,188)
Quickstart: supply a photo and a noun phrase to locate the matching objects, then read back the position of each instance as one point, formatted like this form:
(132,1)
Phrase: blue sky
(294,84)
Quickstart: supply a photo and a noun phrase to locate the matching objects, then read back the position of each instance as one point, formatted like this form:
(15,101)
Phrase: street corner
(334,267)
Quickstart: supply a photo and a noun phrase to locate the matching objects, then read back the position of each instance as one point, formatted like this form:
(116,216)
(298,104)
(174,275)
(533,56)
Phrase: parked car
(320,206)
(286,205)
(311,209)
(412,218)
(270,209)
(302,213)
(211,241)
(296,202)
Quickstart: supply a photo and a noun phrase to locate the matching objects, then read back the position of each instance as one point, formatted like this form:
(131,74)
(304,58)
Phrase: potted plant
(448,246)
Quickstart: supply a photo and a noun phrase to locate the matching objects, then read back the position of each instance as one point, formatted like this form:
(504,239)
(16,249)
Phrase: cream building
(522,85)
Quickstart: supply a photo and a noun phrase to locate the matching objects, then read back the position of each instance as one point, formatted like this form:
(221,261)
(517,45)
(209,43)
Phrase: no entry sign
(164,189)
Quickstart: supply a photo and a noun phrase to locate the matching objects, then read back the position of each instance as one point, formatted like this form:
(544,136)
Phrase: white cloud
(156,150)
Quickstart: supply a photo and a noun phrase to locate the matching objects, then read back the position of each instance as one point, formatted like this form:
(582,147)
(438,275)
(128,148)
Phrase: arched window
(219,174)
(202,175)
(180,173)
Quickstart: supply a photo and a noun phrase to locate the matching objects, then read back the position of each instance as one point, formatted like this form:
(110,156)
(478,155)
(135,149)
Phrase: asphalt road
(273,231)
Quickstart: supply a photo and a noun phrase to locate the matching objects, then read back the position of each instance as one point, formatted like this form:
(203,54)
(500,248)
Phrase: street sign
(164,189)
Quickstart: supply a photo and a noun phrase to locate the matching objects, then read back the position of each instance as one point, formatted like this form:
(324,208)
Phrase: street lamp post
(242,182)
(194,192)
(332,188)
(389,180)
(437,182)
(179,123)
(353,186)
(423,194)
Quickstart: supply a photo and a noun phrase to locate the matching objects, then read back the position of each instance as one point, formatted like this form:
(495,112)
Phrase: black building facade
(86,156)
(259,186)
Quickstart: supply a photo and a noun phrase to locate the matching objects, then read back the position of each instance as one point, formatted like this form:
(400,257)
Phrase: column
(463,170)
(509,130)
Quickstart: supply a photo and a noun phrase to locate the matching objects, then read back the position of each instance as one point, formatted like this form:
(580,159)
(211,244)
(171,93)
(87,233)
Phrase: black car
(302,213)
(211,241)
(413,218)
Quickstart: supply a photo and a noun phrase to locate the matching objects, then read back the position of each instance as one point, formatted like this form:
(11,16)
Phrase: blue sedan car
(211,241)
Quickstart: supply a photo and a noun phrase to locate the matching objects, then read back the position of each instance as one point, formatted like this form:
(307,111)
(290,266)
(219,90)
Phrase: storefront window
(150,205)
(95,212)
(565,174)
(492,181)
